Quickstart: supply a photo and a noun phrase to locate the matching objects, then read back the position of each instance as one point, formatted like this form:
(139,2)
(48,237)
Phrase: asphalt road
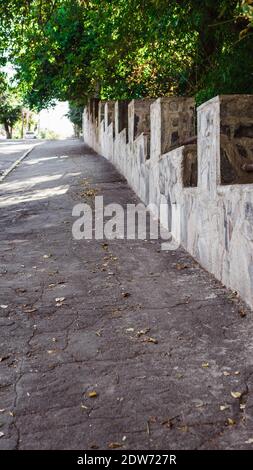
(110,343)
(12,150)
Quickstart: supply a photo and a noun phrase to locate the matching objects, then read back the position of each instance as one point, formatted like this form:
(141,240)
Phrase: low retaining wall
(206,180)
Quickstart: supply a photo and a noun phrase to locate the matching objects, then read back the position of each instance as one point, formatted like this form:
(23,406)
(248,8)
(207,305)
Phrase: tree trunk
(22,126)
(8,131)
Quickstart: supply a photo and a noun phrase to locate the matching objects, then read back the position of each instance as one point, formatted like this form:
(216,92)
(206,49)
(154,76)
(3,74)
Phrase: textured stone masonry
(205,180)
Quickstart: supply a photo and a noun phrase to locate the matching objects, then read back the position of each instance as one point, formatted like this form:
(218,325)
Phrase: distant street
(109,344)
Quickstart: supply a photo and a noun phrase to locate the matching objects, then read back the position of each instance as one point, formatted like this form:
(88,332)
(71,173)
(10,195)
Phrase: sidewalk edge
(18,161)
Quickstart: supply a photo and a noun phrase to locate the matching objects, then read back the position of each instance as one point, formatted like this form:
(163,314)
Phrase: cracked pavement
(167,349)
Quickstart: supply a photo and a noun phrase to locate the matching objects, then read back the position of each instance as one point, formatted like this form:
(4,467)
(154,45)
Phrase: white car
(30,135)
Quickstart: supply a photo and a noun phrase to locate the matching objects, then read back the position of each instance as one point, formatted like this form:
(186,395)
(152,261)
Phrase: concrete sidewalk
(164,350)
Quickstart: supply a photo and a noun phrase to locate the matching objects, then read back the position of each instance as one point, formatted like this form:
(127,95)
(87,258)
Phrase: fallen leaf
(94,446)
(237,372)
(1,434)
(236,394)
(4,306)
(30,310)
(152,419)
(114,445)
(199,404)
(181,266)
(242,312)
(148,429)
(125,294)
(59,301)
(4,358)
(205,364)
(143,332)
(84,407)
(234,293)
(226,373)
(168,423)
(148,339)
(92,394)
(89,192)
(20,290)
(129,330)
(242,407)
(47,256)
(231,422)
(249,441)
(179,376)
(183,428)
(224,407)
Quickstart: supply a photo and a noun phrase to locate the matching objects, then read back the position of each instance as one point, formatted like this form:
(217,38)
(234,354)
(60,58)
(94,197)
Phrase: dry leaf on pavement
(114,445)
(92,394)
(224,407)
(231,422)
(236,394)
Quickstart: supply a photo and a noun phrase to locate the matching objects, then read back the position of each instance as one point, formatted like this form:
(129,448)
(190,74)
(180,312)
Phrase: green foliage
(246,11)
(10,106)
(48,134)
(72,49)
(75,116)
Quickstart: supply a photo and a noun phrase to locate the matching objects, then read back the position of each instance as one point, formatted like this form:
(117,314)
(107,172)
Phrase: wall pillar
(138,118)
(172,123)
(121,116)
(209,146)
(110,113)
(225,141)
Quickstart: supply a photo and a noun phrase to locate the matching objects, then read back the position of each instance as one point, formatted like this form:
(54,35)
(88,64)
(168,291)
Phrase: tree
(10,107)
(9,115)
(75,116)
(72,49)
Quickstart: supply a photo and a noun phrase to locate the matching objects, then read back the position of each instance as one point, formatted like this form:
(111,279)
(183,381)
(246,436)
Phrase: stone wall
(205,179)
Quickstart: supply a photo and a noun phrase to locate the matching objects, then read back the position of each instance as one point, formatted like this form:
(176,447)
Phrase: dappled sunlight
(39,160)
(33,195)
(8,149)
(34,160)
(18,185)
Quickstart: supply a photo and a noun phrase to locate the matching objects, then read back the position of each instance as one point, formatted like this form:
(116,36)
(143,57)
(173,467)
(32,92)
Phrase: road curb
(18,161)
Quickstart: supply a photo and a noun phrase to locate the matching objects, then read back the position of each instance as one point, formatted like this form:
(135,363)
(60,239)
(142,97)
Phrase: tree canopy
(73,49)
